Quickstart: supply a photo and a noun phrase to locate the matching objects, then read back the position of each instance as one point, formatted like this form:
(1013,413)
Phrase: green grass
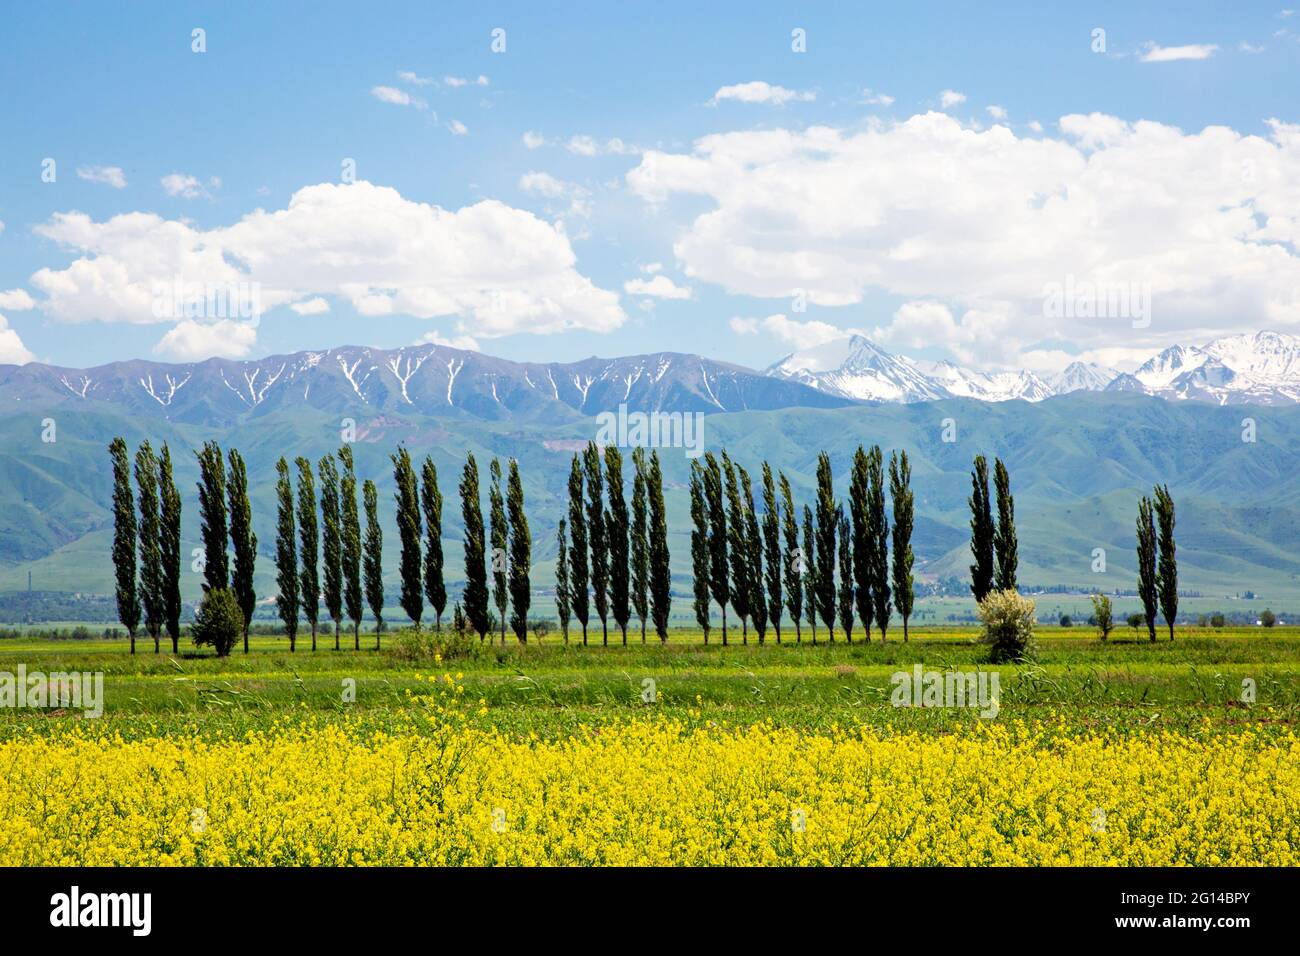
(1192,685)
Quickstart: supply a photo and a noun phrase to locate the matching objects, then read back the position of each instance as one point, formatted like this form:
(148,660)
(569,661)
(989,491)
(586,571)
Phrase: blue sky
(615,100)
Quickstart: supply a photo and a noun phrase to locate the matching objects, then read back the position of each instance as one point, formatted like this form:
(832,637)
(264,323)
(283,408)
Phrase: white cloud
(17,299)
(316,306)
(108,175)
(1035,126)
(12,350)
(997,112)
(458,128)
(467,342)
(743,326)
(660,287)
(183,185)
(544,184)
(391,94)
(497,269)
(458,81)
(1167,54)
(414,79)
(985,222)
(789,331)
(757,91)
(583,145)
(877,99)
(534,140)
(950,98)
(191,341)
(1246,47)
(650,268)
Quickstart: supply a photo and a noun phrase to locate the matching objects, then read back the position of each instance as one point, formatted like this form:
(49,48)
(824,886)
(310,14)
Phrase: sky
(1006,186)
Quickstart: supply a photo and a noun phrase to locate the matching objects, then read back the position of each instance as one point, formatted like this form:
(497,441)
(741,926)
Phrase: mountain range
(1256,368)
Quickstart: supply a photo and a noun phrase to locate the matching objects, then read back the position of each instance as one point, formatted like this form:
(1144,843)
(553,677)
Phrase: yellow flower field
(650,793)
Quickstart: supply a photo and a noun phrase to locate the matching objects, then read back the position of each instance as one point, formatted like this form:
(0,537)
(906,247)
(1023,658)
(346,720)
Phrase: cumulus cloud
(391,94)
(985,221)
(497,269)
(413,79)
(544,184)
(108,175)
(183,185)
(193,341)
(757,91)
(583,145)
(17,300)
(467,342)
(789,331)
(315,306)
(533,140)
(951,98)
(659,287)
(997,112)
(458,81)
(877,98)
(458,128)
(12,350)
(1167,54)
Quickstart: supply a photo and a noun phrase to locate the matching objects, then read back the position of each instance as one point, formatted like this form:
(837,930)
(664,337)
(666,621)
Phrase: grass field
(517,734)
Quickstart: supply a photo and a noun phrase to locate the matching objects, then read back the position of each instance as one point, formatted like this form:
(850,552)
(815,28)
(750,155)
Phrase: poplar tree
(151,574)
(846,579)
(863,536)
(772,550)
(124,539)
(754,564)
(597,536)
(639,545)
(406,495)
(810,584)
(1004,538)
(350,544)
(579,597)
(242,539)
(373,558)
(435,589)
(308,546)
(1146,555)
(1167,571)
(286,555)
(794,560)
(827,528)
(661,597)
(738,546)
(331,542)
(499,532)
(981,531)
(719,581)
(616,529)
(900,492)
(562,578)
(521,555)
(169,540)
(475,596)
(212,517)
(879,550)
(700,557)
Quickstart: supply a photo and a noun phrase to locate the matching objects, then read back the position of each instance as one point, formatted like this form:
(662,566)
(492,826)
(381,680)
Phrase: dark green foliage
(331,542)
(407,496)
(754,569)
(499,531)
(827,529)
(286,555)
(435,589)
(738,548)
(124,539)
(719,581)
(562,597)
(794,560)
(1004,538)
(596,536)
(810,570)
(1146,558)
(661,598)
(900,492)
(700,554)
(863,537)
(879,549)
(373,561)
(242,539)
(579,596)
(639,546)
(212,516)
(350,544)
(151,573)
(1167,570)
(169,542)
(475,596)
(521,555)
(219,621)
(308,546)
(772,550)
(981,530)
(846,578)
(616,531)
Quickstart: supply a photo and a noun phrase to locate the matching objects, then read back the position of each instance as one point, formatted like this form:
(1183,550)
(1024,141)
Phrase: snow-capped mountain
(1260,368)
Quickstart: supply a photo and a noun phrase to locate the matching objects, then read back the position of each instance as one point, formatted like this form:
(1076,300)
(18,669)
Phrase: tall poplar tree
(151,573)
(286,555)
(846,578)
(1146,555)
(700,555)
(331,542)
(597,537)
(212,517)
(794,560)
(863,537)
(639,546)
(169,540)
(719,579)
(810,584)
(373,558)
(350,544)
(738,547)
(124,539)
(242,539)
(435,589)
(827,529)
(661,598)
(406,495)
(499,532)
(900,492)
(981,530)
(616,529)
(879,551)
(1004,538)
(1167,570)
(579,597)
(521,555)
(308,546)
(772,550)
(475,597)
(754,564)
(562,605)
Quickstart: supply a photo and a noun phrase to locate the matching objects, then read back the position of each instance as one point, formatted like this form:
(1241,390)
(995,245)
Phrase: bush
(1008,621)
(1268,618)
(1216,619)
(1102,615)
(1066,621)
(1136,620)
(218,621)
(415,645)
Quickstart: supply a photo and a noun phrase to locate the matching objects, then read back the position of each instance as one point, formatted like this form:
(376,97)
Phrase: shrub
(1102,615)
(1136,620)
(1268,618)
(416,645)
(1216,619)
(1066,621)
(219,621)
(1008,621)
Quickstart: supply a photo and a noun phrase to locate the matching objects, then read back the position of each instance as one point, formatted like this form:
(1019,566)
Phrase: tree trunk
(724,625)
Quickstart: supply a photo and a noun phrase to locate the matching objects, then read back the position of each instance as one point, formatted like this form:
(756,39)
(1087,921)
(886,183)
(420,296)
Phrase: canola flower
(648,792)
